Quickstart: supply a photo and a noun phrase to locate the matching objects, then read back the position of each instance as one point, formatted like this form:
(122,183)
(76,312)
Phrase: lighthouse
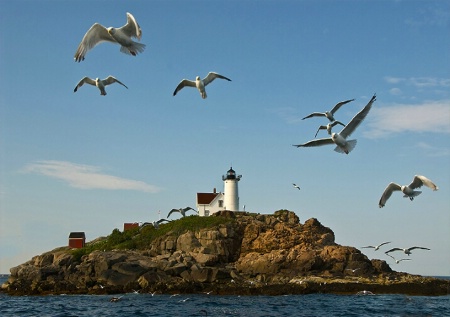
(231,201)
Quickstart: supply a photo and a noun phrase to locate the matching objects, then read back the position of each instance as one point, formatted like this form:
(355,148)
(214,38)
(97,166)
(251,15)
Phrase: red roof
(205,198)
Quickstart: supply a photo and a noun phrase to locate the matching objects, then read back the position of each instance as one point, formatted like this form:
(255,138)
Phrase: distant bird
(183,300)
(155,224)
(135,292)
(408,191)
(365,293)
(122,36)
(399,260)
(328,114)
(296,186)
(328,127)
(115,299)
(100,83)
(340,139)
(153,294)
(199,83)
(377,246)
(182,211)
(353,270)
(406,250)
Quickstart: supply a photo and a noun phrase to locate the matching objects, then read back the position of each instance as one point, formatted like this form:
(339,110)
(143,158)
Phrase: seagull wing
(85,80)
(110,80)
(369,246)
(387,193)
(394,249)
(340,104)
(322,127)
(420,180)
(337,122)
(184,82)
(356,121)
(390,256)
(383,243)
(412,248)
(131,28)
(161,220)
(95,35)
(317,142)
(314,114)
(211,76)
(173,210)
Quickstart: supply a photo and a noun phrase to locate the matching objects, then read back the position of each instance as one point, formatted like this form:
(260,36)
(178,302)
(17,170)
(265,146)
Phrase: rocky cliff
(247,254)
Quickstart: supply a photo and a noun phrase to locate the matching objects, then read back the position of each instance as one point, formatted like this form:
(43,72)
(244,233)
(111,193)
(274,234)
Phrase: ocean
(212,305)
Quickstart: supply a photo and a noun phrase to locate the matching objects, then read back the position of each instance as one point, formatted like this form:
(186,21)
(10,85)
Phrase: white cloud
(432,116)
(419,82)
(393,80)
(86,177)
(431,150)
(395,91)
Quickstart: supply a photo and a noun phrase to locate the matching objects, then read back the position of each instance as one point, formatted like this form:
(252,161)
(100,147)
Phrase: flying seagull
(122,36)
(406,250)
(329,114)
(329,126)
(182,211)
(399,260)
(115,299)
(100,83)
(377,246)
(408,191)
(340,139)
(296,186)
(199,83)
(155,224)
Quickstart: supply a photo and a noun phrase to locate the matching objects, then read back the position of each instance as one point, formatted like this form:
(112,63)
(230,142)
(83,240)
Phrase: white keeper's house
(210,203)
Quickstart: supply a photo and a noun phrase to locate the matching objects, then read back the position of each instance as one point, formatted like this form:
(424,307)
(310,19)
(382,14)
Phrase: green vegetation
(142,238)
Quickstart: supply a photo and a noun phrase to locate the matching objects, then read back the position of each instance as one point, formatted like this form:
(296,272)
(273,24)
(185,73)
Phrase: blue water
(212,305)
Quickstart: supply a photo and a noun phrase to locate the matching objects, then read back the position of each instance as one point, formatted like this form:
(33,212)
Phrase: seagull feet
(133,53)
(411,198)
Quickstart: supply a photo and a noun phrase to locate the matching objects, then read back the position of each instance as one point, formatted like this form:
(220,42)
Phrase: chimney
(214,190)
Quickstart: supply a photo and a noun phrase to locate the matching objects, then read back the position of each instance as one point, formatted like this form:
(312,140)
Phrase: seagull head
(197,78)
(111,30)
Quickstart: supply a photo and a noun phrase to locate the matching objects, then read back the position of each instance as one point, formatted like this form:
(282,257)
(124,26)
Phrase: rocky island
(228,253)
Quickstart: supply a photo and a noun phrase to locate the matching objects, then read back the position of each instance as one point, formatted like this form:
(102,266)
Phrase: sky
(79,161)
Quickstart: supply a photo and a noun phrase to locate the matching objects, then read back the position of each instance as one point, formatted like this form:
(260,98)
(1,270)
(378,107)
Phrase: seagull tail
(348,147)
(133,49)
(203,93)
(414,194)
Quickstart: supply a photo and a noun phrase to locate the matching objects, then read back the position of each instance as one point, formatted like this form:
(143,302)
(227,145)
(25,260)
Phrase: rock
(250,254)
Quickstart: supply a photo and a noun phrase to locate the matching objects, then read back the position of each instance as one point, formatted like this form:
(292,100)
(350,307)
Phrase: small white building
(211,203)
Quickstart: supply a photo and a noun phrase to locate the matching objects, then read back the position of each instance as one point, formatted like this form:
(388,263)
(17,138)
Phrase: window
(220,203)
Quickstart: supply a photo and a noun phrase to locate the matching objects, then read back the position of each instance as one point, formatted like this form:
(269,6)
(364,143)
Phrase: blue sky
(84,162)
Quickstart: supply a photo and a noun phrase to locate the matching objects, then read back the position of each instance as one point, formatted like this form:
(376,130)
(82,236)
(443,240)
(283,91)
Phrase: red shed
(77,240)
(130,225)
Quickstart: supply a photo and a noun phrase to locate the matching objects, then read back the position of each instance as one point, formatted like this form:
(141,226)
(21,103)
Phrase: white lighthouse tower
(231,201)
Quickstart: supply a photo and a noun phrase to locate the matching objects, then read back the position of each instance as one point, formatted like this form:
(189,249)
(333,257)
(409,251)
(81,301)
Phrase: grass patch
(142,239)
